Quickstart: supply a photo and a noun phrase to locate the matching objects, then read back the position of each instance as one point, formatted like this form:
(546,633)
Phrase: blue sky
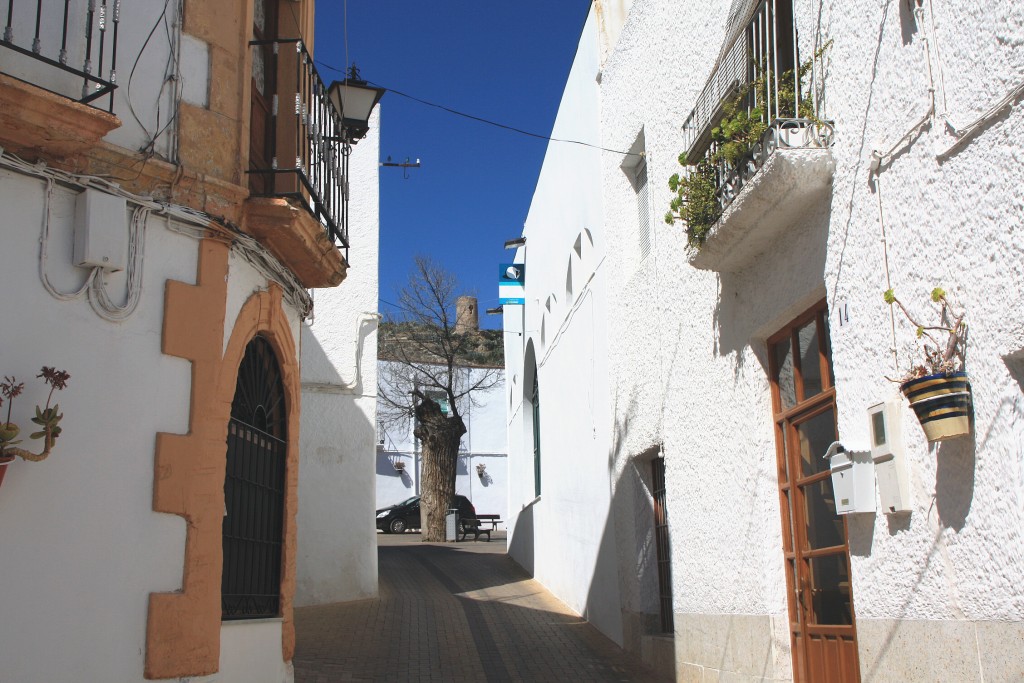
(502,61)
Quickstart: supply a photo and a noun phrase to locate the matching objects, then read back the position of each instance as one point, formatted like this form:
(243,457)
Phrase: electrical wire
(181,219)
(99,299)
(967,132)
(483,120)
(138,58)
(44,240)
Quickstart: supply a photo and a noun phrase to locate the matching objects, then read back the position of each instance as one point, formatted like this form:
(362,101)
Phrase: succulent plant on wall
(48,418)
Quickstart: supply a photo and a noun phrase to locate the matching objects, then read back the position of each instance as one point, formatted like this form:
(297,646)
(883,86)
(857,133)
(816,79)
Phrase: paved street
(454,612)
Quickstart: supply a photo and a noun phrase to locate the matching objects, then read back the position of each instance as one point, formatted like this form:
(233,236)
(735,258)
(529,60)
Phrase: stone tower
(467,316)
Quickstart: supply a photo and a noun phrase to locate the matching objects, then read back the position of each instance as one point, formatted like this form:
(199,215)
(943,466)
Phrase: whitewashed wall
(484,443)
(686,355)
(565,537)
(89,505)
(337,553)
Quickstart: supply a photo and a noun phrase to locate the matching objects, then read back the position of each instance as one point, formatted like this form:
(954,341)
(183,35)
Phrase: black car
(395,519)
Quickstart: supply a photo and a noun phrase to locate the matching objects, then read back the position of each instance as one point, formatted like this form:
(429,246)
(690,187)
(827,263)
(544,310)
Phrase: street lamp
(354,99)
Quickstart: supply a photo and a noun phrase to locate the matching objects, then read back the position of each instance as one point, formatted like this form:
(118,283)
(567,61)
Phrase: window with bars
(663,546)
(254,486)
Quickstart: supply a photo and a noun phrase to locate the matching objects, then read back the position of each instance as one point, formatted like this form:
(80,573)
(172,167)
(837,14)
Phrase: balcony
(58,68)
(767,191)
(757,131)
(298,165)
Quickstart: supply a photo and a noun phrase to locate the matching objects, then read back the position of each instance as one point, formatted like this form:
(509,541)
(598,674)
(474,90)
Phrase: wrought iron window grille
(254,486)
(309,151)
(70,39)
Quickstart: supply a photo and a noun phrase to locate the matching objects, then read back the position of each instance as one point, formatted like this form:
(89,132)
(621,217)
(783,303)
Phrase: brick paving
(454,612)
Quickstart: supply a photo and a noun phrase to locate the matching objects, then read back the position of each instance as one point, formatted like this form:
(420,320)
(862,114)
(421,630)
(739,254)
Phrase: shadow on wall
(315,359)
(334,483)
(763,292)
(954,480)
(386,465)
(521,548)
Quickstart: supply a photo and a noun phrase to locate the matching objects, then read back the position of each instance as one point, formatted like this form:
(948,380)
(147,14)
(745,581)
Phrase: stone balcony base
(297,239)
(37,124)
(769,203)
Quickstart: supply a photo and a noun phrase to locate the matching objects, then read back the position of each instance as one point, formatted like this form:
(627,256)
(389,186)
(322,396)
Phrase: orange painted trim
(183,628)
(264,314)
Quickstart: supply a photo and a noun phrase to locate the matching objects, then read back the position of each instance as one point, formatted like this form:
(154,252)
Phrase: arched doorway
(254,488)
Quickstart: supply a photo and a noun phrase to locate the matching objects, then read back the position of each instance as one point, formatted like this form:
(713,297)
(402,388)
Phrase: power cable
(483,120)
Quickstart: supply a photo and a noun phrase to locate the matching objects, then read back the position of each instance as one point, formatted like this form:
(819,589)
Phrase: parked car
(395,519)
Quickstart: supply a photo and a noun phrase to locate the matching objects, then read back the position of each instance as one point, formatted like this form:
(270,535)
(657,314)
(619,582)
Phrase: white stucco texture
(337,558)
(663,354)
(89,505)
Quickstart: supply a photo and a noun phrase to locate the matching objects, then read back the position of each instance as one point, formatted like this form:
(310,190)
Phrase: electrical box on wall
(101,231)
(853,480)
(889,457)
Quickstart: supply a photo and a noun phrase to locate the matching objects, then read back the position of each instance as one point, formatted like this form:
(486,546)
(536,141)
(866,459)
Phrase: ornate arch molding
(183,628)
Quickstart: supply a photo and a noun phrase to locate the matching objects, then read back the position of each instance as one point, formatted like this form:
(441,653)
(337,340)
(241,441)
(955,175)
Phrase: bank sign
(511,283)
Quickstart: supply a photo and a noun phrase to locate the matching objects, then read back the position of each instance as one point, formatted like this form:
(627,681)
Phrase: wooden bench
(476,526)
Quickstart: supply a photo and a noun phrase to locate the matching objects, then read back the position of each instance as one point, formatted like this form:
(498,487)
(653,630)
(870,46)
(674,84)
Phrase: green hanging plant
(694,203)
(694,200)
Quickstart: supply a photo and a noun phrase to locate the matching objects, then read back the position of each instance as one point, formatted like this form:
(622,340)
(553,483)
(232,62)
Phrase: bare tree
(429,373)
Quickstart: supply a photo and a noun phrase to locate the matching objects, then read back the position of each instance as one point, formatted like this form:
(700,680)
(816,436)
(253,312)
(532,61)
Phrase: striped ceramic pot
(942,404)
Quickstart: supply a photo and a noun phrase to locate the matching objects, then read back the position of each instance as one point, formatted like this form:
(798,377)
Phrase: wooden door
(815,542)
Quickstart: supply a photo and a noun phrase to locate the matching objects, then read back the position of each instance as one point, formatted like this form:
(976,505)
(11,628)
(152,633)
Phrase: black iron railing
(306,158)
(65,45)
(758,70)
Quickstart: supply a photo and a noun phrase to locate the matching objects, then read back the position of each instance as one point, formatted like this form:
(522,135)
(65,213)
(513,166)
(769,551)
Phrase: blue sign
(511,283)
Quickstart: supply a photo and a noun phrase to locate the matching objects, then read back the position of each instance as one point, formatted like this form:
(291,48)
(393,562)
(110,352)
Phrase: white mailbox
(853,480)
(889,456)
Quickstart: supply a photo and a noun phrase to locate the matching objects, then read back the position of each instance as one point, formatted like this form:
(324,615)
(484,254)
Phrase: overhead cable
(487,121)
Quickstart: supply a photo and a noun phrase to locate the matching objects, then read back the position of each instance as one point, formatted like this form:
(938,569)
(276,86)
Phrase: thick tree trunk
(440,437)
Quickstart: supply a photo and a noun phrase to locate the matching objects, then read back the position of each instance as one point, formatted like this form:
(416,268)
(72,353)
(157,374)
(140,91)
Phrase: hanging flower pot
(4,460)
(942,403)
(938,388)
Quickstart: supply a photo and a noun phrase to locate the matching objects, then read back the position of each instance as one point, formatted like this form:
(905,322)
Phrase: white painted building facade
(481,472)
(672,354)
(114,546)
(337,544)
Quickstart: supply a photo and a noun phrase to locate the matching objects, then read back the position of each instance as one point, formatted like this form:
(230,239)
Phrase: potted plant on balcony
(47,418)
(938,388)
(695,202)
(738,144)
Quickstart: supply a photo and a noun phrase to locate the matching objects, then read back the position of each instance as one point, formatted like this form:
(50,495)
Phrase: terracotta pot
(942,404)
(4,460)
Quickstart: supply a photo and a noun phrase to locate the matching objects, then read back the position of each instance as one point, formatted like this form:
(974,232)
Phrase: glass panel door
(815,541)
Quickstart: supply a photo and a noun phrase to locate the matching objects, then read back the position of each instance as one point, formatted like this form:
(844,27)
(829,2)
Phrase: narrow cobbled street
(454,612)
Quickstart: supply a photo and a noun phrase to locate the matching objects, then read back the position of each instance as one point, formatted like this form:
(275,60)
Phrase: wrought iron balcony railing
(758,73)
(297,149)
(782,133)
(68,48)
